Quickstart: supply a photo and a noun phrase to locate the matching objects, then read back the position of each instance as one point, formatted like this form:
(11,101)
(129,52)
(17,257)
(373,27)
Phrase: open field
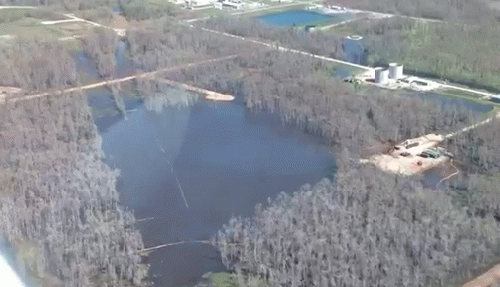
(40,24)
(12,15)
(27,23)
(30,27)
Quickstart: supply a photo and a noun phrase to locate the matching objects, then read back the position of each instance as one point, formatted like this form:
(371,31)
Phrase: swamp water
(188,169)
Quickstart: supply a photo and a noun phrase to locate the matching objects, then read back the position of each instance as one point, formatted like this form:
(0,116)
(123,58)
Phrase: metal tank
(395,71)
(381,76)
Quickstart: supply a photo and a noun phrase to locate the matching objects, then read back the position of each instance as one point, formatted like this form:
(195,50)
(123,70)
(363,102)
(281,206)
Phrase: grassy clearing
(27,23)
(451,94)
(462,94)
(12,15)
(30,30)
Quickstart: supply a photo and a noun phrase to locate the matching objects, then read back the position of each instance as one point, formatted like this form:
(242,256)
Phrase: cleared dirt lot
(407,161)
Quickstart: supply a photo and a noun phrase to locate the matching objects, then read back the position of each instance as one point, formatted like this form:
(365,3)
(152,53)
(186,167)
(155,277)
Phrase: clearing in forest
(412,156)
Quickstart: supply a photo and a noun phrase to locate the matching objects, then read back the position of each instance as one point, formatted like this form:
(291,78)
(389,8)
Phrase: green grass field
(28,23)
(30,28)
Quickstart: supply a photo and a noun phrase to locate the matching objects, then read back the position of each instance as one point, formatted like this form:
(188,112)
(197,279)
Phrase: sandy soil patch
(218,97)
(7,92)
(406,159)
(487,279)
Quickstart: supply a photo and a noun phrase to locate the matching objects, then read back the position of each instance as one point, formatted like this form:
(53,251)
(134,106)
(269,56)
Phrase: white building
(197,3)
(235,4)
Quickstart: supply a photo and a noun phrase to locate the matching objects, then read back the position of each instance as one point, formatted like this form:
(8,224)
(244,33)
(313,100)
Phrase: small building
(335,9)
(381,76)
(235,4)
(198,3)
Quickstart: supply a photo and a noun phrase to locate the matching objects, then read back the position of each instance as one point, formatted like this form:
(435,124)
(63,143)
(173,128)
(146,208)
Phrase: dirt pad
(407,161)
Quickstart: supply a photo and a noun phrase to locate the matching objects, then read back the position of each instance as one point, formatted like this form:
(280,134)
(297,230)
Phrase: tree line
(367,228)
(59,207)
(302,91)
(479,148)
(166,43)
(316,43)
(35,64)
(100,44)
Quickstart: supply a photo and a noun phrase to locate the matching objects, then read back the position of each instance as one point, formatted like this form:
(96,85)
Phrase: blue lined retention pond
(301,17)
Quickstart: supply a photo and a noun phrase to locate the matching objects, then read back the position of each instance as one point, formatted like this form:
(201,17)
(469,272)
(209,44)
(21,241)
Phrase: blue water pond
(298,17)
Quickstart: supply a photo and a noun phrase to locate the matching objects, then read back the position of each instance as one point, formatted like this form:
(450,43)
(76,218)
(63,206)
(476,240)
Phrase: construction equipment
(431,152)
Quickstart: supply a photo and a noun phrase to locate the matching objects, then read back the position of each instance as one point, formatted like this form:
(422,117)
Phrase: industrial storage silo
(381,75)
(395,71)
(355,50)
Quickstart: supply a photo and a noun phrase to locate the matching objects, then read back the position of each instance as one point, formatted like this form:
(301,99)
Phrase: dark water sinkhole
(223,157)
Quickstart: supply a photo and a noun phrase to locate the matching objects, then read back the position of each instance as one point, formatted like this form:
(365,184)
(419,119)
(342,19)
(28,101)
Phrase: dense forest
(59,207)
(33,64)
(479,149)
(366,228)
(166,43)
(316,43)
(100,44)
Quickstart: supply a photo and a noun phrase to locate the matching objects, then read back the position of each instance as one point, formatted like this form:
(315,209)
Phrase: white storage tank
(395,71)
(381,75)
